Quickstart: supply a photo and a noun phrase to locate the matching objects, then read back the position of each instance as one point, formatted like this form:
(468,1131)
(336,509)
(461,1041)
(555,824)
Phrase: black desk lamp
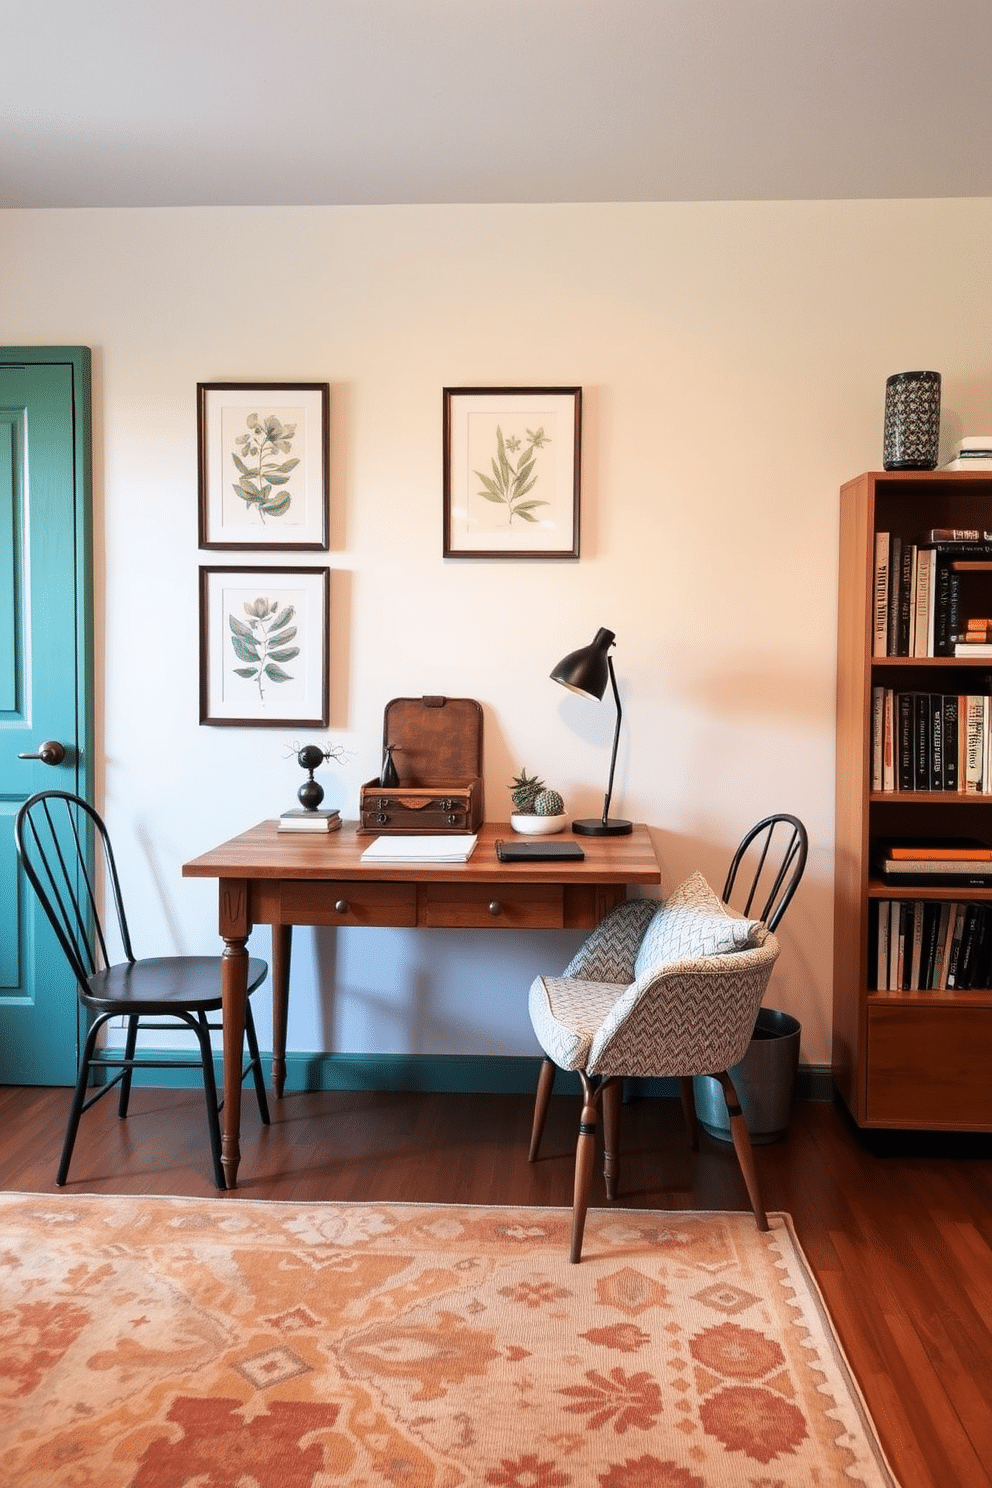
(587,672)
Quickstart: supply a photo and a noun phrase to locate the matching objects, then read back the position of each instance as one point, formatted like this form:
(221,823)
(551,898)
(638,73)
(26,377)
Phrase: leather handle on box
(433,701)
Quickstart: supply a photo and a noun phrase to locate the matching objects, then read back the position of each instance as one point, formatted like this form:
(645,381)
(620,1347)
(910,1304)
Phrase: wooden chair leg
(743,1148)
(585,1155)
(689,1111)
(611,1092)
(545,1083)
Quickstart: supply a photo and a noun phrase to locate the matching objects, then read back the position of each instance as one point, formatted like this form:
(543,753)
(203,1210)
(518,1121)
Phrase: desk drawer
(492,906)
(347,902)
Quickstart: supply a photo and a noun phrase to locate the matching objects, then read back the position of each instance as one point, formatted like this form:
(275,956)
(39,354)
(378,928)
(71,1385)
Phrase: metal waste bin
(765,1081)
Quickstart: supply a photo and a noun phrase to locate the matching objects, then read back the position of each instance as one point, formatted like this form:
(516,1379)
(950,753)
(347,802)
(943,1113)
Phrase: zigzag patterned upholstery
(670,990)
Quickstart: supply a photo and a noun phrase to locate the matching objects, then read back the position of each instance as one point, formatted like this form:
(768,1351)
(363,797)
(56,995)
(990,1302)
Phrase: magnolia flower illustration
(510,482)
(263,485)
(264,643)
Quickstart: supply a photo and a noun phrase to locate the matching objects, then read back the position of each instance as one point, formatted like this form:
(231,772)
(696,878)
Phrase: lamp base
(594,826)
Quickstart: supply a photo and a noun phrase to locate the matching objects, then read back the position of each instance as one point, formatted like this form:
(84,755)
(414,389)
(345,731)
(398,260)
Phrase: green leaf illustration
(259,471)
(509,484)
(264,642)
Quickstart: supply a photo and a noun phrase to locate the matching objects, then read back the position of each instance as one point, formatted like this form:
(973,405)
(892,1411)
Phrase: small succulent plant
(548,803)
(524,791)
(531,797)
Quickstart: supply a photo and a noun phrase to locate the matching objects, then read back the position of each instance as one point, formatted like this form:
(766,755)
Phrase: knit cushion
(693,922)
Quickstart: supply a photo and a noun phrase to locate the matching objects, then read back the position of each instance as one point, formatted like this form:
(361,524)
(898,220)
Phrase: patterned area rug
(228,1343)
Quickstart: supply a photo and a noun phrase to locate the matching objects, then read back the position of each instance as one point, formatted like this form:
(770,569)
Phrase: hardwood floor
(898,1231)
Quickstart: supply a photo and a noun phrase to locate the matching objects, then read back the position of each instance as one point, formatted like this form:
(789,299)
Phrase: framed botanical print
(512,472)
(263,460)
(264,647)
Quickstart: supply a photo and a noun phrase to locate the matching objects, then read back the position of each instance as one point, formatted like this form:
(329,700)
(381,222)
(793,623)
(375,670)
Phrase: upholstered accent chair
(657,990)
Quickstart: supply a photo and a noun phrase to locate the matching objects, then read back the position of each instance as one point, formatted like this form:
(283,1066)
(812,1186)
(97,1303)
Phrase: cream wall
(733,360)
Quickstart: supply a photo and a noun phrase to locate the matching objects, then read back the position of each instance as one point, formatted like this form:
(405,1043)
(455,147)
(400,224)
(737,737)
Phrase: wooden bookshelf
(912,1059)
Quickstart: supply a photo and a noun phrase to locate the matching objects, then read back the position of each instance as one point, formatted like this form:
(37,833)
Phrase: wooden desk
(284,879)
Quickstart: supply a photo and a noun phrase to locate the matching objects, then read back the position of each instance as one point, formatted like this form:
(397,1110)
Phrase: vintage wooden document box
(436,747)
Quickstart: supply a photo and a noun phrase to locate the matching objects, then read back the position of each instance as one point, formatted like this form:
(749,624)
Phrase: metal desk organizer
(435,744)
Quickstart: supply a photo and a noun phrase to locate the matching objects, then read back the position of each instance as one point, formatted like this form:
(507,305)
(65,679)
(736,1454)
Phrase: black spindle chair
(54,832)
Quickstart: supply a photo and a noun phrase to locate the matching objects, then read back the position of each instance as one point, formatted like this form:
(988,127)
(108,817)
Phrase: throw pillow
(693,922)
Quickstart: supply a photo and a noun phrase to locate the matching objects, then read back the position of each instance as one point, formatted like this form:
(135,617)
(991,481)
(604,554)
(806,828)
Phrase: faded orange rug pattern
(227,1343)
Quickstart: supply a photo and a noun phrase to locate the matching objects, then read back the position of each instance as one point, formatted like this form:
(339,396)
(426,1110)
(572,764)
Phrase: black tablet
(538,852)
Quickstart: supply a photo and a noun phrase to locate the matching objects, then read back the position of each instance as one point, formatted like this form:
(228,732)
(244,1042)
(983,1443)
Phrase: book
(937,535)
(928,874)
(888,741)
(881,631)
(883,911)
(950,978)
(950,742)
(457,848)
(947,849)
(972,648)
(299,820)
(895,586)
(923,631)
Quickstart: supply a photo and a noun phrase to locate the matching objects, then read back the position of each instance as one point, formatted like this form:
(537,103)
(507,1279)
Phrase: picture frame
(512,472)
(264,647)
(263,464)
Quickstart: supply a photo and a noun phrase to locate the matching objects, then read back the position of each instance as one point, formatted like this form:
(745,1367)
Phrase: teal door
(46,693)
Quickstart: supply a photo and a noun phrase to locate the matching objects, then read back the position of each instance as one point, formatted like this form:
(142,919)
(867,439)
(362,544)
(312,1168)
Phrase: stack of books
(299,820)
(951,863)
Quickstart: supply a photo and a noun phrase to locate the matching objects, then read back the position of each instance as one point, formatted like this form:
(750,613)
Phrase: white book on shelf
(975,744)
(880,639)
(922,634)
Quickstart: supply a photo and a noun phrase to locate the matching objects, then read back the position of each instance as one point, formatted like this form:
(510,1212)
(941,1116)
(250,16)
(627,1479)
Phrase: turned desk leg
(234,998)
(282,947)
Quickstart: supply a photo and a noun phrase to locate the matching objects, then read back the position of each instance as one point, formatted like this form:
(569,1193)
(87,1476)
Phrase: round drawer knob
(342,906)
(495,907)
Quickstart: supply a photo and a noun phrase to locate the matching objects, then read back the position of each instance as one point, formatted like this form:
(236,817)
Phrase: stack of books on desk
(299,820)
(955,862)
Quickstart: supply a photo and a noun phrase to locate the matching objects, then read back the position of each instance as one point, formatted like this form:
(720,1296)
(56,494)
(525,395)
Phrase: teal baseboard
(472,1074)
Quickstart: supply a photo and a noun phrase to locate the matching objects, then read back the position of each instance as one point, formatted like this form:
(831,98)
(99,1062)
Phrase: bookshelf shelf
(903,1058)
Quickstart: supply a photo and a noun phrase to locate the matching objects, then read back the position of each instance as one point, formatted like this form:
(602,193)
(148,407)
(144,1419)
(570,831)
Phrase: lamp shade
(587,671)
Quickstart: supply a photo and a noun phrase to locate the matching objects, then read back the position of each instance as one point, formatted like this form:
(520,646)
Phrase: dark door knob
(50,753)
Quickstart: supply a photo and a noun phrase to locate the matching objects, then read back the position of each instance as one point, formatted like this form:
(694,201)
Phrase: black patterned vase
(912,421)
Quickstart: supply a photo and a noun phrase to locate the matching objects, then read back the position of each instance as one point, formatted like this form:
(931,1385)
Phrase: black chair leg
(130,1045)
(256,1065)
(202,1029)
(78,1100)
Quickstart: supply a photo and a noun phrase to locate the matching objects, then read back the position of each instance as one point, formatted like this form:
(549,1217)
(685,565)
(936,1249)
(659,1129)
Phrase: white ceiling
(118,103)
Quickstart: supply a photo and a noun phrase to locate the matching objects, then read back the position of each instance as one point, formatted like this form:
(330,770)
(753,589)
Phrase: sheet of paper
(455,849)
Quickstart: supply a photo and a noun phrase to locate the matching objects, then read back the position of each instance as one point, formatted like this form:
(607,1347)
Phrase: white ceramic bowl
(537,826)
